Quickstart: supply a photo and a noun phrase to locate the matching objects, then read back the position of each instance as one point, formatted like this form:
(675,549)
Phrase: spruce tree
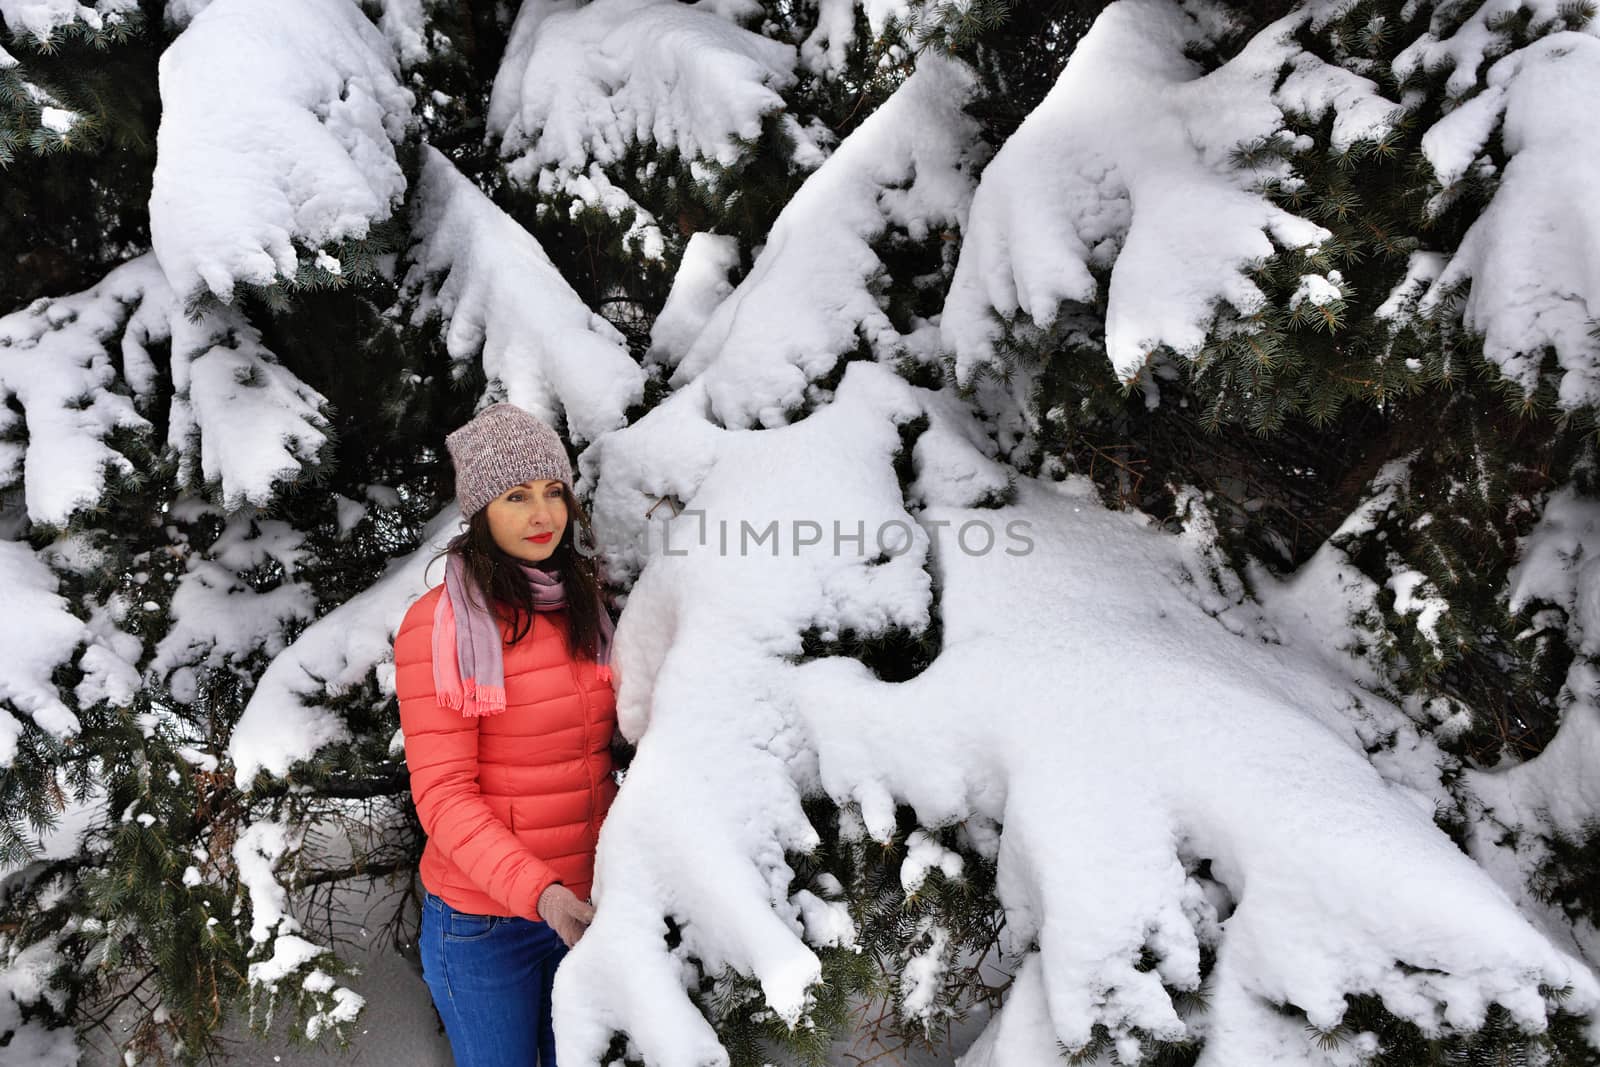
(728,249)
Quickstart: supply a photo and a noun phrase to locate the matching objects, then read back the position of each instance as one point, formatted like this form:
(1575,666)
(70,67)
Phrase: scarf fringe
(483,700)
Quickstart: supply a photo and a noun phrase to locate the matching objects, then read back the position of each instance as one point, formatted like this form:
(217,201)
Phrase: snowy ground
(397,1029)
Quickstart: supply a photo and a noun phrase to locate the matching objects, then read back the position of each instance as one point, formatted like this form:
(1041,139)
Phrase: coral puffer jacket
(510,802)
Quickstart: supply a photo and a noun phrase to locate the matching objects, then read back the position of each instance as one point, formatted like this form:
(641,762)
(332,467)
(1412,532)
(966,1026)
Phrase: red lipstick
(540,539)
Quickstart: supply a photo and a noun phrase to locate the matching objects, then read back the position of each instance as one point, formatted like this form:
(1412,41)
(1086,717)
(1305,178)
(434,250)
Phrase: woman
(506,704)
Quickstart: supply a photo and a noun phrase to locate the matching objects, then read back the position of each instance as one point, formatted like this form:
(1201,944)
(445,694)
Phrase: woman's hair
(498,576)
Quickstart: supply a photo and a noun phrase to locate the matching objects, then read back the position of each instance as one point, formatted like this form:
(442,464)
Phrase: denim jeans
(491,977)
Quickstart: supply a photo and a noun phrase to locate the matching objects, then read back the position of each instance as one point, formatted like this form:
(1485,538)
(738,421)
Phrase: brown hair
(497,576)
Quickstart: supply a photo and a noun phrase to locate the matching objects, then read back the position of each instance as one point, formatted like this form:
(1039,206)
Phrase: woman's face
(527,520)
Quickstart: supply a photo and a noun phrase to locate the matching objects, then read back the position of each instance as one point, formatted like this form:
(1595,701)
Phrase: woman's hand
(568,916)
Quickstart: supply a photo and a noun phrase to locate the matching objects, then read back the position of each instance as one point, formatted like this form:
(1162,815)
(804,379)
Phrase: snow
(699,286)
(1454,143)
(924,854)
(1474,42)
(402,23)
(182,12)
(278,128)
(108,663)
(580,85)
(1125,167)
(1155,761)
(1415,595)
(1108,797)
(238,419)
(226,383)
(1529,296)
(1421,270)
(257,849)
(42,18)
(829,43)
(919,979)
(907,167)
(39,634)
(1313,88)
(501,300)
(1316,289)
(57,120)
(52,353)
(218,619)
(24,981)
(283,721)
(1559,564)
(289,953)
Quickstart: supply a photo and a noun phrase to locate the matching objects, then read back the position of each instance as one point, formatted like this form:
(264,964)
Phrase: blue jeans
(491,977)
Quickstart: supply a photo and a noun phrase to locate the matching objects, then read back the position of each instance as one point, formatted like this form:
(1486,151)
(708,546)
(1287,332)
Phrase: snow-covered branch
(278,129)
(502,301)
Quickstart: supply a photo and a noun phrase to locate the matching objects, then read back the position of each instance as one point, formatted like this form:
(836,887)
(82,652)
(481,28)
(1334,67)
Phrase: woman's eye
(514,498)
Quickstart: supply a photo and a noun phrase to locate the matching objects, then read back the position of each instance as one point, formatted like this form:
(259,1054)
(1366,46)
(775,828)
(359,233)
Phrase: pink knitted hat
(504,446)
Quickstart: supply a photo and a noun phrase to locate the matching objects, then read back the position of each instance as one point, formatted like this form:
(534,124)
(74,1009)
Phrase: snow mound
(278,127)
(503,301)
(1129,156)
(1228,817)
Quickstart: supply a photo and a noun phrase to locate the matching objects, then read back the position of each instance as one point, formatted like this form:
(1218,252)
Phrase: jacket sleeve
(442,754)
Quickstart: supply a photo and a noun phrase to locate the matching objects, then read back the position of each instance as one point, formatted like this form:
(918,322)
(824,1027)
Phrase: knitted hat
(504,446)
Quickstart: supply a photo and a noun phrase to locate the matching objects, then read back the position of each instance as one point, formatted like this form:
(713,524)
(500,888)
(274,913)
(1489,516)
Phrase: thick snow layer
(53,353)
(504,302)
(237,420)
(38,634)
(806,301)
(283,722)
(580,85)
(43,17)
(699,286)
(1529,296)
(1125,167)
(278,127)
(1109,790)
(256,424)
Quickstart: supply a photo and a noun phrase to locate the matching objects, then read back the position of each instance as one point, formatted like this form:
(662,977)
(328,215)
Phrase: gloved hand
(565,913)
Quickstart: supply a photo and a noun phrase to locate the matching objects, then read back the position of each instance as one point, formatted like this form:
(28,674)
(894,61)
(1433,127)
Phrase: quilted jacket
(510,802)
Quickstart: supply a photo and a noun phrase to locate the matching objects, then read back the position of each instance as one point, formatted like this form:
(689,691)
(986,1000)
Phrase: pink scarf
(468,656)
